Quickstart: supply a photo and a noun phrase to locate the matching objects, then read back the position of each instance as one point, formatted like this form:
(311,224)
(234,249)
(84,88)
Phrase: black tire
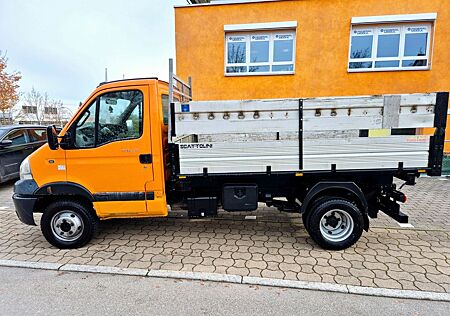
(313,205)
(335,224)
(70,214)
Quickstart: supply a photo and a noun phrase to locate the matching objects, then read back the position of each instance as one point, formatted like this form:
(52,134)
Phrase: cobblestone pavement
(272,245)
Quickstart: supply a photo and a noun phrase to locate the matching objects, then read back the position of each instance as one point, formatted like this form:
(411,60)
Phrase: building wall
(322,49)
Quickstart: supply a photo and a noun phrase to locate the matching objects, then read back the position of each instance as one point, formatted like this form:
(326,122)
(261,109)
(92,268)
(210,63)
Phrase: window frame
(401,55)
(270,62)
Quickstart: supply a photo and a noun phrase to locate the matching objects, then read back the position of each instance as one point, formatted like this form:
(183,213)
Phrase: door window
(112,117)
(85,127)
(37,135)
(18,137)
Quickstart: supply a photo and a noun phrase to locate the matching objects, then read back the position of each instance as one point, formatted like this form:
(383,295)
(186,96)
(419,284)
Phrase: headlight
(25,170)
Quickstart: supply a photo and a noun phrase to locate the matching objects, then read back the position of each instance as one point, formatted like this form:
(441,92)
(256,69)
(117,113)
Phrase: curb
(230,278)
(199,276)
(103,269)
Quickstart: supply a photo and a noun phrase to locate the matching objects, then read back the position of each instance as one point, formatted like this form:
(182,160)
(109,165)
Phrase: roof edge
(220,2)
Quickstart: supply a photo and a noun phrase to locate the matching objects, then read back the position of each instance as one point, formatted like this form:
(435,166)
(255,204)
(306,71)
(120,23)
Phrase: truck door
(110,151)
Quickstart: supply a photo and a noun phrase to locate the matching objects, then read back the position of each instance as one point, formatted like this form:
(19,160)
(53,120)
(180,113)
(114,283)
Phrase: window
(50,110)
(260,53)
(85,127)
(37,135)
(390,47)
(165,106)
(29,109)
(111,117)
(18,137)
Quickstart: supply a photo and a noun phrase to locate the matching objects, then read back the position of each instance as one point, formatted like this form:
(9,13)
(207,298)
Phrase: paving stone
(272,258)
(325,270)
(362,273)
(402,275)
(238,271)
(428,286)
(204,268)
(192,260)
(305,260)
(412,268)
(223,262)
(375,266)
(339,263)
(310,277)
(277,274)
(261,265)
(389,283)
(292,267)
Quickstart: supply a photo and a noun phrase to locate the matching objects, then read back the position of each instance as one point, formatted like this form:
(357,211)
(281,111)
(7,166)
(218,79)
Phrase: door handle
(145,159)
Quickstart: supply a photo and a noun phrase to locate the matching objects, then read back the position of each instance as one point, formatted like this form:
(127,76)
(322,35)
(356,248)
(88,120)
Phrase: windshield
(3,132)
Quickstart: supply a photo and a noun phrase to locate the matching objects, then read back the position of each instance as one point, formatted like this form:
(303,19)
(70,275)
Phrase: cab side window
(111,117)
(18,137)
(165,107)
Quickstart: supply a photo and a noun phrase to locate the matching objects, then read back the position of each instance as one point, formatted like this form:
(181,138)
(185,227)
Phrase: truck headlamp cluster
(25,170)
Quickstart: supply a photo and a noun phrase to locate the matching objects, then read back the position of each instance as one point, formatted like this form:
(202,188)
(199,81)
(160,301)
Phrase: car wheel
(335,224)
(68,224)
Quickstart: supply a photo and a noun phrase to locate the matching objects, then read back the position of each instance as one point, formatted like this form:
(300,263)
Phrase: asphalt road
(40,292)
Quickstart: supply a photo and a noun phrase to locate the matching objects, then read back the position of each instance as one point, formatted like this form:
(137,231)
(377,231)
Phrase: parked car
(16,143)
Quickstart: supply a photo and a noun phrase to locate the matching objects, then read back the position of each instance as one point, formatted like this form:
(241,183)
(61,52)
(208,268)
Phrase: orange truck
(138,148)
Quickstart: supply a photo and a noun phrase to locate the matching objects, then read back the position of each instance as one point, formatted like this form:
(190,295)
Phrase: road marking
(250,217)
(407,225)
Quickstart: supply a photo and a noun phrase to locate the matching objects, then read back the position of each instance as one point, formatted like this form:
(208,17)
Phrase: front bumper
(25,200)
(24,208)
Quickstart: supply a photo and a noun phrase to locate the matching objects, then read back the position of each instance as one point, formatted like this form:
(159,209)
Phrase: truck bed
(309,135)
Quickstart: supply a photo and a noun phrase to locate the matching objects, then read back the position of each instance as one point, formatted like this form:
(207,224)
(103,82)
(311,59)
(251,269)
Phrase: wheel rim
(336,225)
(67,225)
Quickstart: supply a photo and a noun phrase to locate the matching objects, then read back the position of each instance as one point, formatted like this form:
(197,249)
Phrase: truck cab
(111,157)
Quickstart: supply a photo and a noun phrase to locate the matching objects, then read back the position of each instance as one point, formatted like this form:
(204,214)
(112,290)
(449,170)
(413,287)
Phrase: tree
(9,95)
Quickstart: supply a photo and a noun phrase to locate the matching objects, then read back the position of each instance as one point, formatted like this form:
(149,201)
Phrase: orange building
(246,49)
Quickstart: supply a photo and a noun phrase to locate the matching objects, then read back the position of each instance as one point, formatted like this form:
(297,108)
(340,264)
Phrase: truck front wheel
(335,224)
(68,224)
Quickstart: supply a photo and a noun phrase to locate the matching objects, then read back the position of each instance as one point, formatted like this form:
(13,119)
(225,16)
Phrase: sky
(62,47)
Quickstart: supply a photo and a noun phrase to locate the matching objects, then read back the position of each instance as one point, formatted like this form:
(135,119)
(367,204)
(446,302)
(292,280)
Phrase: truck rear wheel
(307,213)
(335,224)
(68,224)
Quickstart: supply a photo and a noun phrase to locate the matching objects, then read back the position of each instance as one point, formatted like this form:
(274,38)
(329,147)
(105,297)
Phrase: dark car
(16,143)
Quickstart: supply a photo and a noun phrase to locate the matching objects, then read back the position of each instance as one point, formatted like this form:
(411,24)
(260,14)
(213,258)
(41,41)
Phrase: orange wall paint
(323,36)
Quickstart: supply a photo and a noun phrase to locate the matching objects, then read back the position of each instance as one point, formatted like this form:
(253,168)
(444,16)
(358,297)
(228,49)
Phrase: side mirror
(5,143)
(52,137)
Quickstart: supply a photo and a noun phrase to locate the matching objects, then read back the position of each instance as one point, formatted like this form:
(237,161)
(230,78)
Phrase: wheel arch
(57,191)
(66,189)
(338,189)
